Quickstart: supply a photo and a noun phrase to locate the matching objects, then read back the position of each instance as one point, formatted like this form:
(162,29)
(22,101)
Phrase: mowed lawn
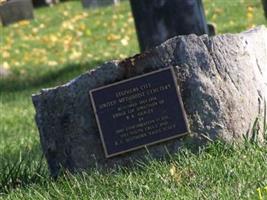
(64,41)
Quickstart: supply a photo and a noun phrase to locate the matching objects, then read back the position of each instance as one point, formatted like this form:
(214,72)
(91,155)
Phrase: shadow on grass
(51,78)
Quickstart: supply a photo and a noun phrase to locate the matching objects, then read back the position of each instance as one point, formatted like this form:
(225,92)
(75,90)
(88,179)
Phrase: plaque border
(151,143)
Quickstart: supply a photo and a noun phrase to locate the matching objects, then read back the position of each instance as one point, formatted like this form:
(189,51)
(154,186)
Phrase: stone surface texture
(222,79)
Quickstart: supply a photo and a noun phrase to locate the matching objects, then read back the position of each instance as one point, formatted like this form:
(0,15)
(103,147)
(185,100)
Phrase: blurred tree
(159,20)
(264,3)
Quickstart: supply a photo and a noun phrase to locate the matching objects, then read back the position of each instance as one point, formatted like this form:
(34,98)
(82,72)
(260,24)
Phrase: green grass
(65,41)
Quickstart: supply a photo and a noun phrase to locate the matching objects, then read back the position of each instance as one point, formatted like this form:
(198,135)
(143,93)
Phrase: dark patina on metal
(139,111)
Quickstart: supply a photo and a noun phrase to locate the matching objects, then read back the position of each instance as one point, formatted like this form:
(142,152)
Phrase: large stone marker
(16,10)
(223,85)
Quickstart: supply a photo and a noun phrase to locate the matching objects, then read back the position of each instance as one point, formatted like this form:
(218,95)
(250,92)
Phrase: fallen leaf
(24,22)
(5,65)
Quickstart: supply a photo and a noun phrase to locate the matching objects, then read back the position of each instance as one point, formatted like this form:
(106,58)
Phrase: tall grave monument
(158,20)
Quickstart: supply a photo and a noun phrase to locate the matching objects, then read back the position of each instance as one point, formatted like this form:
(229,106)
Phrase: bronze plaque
(139,111)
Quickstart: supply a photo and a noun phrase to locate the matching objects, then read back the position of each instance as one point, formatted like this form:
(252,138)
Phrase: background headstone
(223,84)
(39,3)
(98,3)
(16,10)
(158,20)
(264,3)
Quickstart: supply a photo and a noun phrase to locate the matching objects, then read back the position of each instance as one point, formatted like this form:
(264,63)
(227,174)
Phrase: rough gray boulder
(223,82)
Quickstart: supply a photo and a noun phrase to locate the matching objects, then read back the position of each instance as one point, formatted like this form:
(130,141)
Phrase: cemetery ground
(64,41)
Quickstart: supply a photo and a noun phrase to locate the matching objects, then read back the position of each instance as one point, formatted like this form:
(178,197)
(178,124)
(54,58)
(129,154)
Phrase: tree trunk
(159,20)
